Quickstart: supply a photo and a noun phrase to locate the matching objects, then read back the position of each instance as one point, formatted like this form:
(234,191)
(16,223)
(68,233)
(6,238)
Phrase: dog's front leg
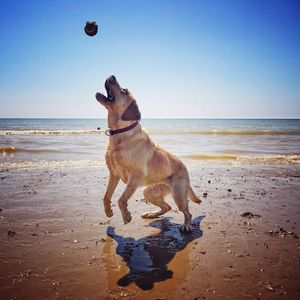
(112,184)
(131,187)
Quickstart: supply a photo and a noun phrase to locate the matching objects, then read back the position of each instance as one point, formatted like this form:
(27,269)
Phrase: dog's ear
(132,112)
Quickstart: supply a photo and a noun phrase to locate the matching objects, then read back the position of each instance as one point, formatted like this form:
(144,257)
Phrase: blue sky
(181,59)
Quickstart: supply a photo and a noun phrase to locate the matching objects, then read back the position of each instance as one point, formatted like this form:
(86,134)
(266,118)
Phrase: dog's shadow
(147,258)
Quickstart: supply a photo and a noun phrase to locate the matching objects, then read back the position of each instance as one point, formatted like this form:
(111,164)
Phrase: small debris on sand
(250,215)
(282,233)
(268,286)
(229,190)
(242,254)
(104,223)
(102,240)
(11,233)
(205,194)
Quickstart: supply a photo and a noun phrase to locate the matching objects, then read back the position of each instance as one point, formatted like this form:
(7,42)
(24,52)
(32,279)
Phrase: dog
(132,157)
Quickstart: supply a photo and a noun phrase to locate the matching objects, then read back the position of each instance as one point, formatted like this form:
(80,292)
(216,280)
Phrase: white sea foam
(225,132)
(155,131)
(248,159)
(51,164)
(49,132)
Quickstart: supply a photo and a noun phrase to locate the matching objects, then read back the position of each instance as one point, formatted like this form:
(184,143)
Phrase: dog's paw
(149,215)
(109,213)
(126,217)
(186,228)
(198,201)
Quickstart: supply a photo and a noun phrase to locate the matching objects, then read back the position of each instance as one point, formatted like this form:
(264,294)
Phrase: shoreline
(58,246)
(192,160)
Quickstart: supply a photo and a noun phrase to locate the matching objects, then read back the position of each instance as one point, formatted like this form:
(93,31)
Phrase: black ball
(91,28)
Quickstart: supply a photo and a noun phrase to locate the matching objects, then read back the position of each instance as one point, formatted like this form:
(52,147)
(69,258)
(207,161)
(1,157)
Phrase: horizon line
(159,118)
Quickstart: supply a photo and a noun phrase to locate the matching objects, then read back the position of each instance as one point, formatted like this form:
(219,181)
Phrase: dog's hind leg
(155,194)
(180,186)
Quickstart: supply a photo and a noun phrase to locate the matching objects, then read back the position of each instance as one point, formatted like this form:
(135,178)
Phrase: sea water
(36,143)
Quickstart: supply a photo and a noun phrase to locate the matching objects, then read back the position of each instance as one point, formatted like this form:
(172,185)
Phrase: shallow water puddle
(155,264)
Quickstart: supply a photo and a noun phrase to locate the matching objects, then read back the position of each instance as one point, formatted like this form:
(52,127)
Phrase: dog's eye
(124,91)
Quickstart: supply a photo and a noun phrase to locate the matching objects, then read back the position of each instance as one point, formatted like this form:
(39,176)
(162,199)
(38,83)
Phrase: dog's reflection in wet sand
(148,257)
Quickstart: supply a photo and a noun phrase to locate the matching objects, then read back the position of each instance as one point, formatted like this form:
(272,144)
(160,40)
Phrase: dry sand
(56,242)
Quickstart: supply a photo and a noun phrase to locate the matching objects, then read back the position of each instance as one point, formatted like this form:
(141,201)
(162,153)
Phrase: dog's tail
(192,196)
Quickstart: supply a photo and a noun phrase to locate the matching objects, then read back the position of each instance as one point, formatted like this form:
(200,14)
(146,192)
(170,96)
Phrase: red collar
(110,132)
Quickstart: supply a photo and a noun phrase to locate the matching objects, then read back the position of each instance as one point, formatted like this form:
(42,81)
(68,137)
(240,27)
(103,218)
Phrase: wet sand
(56,242)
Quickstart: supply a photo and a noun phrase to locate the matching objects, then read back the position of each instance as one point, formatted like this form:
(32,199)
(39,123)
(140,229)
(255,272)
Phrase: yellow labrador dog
(132,157)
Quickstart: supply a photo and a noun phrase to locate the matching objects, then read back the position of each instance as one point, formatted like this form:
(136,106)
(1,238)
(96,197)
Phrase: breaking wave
(154,131)
(49,132)
(228,132)
(247,159)
(12,150)
(41,164)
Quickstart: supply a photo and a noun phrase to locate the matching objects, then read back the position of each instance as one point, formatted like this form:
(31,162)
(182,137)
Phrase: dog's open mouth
(109,91)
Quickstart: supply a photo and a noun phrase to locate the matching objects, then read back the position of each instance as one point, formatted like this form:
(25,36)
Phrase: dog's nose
(111,79)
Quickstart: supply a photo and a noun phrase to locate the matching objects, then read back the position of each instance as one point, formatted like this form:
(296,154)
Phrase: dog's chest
(119,160)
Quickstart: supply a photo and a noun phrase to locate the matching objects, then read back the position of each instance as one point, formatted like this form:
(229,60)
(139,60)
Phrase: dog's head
(119,101)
